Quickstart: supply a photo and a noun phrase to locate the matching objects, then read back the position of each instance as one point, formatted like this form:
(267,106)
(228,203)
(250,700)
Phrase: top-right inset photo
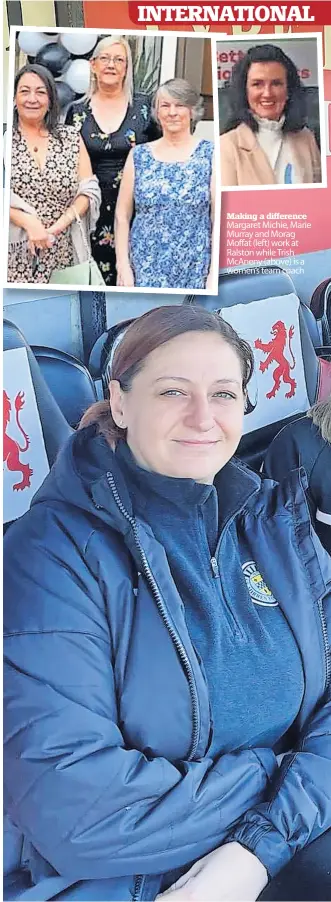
(271,112)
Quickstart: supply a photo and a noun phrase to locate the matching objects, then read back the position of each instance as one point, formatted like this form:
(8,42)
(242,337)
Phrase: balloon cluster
(65,56)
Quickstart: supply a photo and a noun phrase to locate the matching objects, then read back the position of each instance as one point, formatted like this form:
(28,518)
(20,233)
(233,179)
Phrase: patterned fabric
(50,191)
(108,154)
(170,240)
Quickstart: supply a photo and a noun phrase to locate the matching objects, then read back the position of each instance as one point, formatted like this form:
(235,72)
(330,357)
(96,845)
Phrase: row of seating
(48,390)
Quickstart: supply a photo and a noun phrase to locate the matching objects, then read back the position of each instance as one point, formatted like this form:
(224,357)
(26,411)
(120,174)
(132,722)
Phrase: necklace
(35,147)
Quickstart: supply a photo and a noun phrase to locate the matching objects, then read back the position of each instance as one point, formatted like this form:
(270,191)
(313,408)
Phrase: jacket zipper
(219,590)
(137,887)
(326,643)
(230,617)
(166,620)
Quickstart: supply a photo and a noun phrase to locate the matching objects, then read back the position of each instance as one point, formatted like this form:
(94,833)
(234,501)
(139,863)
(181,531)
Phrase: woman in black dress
(111,120)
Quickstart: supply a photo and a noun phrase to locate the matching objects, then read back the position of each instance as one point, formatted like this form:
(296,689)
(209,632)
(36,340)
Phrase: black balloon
(54,57)
(65,94)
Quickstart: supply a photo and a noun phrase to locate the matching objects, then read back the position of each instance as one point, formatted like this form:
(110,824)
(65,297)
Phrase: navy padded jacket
(108,780)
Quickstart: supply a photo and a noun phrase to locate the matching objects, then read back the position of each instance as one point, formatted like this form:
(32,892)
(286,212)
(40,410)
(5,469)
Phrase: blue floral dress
(170,238)
(108,153)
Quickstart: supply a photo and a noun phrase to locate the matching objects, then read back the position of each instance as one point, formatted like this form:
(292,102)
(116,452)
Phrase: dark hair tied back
(149,332)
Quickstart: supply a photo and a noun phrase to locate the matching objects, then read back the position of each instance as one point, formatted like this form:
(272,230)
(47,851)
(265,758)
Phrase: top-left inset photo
(111,144)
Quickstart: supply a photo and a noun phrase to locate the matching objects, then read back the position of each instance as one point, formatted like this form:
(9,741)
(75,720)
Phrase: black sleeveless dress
(108,154)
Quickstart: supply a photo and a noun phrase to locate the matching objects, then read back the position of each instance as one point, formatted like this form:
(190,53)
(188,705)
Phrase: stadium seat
(261,303)
(69,381)
(34,426)
(99,361)
(320,306)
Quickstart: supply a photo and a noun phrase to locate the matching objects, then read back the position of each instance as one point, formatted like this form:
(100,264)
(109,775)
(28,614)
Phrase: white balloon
(32,41)
(79,43)
(78,76)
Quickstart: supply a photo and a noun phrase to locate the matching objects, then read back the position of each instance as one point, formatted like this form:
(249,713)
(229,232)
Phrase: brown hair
(321,416)
(150,331)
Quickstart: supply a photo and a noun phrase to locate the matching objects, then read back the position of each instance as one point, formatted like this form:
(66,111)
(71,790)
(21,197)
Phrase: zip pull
(215,568)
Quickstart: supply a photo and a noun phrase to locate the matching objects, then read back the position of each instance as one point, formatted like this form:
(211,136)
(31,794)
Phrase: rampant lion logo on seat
(11,448)
(275,350)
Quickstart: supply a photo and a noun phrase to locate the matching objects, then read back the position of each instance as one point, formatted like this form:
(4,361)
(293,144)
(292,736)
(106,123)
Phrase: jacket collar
(246,137)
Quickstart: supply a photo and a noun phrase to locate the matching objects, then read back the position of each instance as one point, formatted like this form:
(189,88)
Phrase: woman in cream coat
(266,141)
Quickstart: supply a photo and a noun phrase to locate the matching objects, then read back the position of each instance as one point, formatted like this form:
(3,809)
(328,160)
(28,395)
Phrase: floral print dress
(108,154)
(50,191)
(170,239)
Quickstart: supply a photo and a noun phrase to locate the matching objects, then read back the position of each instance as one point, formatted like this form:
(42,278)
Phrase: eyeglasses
(117,60)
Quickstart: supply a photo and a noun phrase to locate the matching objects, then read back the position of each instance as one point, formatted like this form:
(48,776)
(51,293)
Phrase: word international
(225,13)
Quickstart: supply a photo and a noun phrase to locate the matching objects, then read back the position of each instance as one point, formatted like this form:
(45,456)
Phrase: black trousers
(307,878)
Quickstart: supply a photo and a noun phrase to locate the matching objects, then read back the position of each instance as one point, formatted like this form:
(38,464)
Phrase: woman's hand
(62,223)
(38,236)
(229,874)
(125,276)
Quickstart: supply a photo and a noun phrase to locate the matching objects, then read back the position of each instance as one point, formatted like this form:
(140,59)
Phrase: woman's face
(174,117)
(31,98)
(184,412)
(266,89)
(110,66)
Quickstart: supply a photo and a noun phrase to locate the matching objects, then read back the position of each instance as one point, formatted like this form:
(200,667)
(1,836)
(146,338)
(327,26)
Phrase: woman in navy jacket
(167,622)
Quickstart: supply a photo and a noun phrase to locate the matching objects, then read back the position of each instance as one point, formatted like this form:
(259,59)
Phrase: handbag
(86,273)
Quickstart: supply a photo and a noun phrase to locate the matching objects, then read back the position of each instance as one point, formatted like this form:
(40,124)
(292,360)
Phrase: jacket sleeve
(229,175)
(283,455)
(298,809)
(91,806)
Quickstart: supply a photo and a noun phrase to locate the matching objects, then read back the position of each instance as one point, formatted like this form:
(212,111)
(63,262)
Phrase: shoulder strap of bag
(82,233)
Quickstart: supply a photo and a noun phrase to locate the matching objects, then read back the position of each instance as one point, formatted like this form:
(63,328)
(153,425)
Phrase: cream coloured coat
(243,162)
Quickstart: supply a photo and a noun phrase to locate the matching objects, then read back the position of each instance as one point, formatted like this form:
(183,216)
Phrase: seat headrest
(253,284)
(277,389)
(34,427)
(54,426)
(24,453)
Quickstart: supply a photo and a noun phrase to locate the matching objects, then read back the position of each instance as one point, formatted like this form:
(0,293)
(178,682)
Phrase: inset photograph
(110,148)
(271,112)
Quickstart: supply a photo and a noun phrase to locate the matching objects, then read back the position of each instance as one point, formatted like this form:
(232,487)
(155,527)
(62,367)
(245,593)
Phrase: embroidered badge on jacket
(258,589)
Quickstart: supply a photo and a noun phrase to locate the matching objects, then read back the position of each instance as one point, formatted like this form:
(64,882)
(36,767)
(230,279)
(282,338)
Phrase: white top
(278,150)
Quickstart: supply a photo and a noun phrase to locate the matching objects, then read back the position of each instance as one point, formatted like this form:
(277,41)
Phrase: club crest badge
(258,589)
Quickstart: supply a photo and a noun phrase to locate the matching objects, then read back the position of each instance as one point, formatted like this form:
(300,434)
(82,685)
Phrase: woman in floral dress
(111,121)
(165,211)
(51,182)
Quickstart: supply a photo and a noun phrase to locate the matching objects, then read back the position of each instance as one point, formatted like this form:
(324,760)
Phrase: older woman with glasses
(112,120)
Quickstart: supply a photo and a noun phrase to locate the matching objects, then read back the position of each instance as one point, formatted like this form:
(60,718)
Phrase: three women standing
(164,210)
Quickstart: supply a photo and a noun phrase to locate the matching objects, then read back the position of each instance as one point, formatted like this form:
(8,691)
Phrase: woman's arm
(299,807)
(210,283)
(91,805)
(82,202)
(123,216)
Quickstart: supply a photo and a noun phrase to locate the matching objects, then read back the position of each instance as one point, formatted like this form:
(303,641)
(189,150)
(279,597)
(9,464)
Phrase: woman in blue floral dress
(111,121)
(165,209)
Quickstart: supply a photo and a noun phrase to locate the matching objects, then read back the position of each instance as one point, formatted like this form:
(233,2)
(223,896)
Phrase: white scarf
(278,150)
